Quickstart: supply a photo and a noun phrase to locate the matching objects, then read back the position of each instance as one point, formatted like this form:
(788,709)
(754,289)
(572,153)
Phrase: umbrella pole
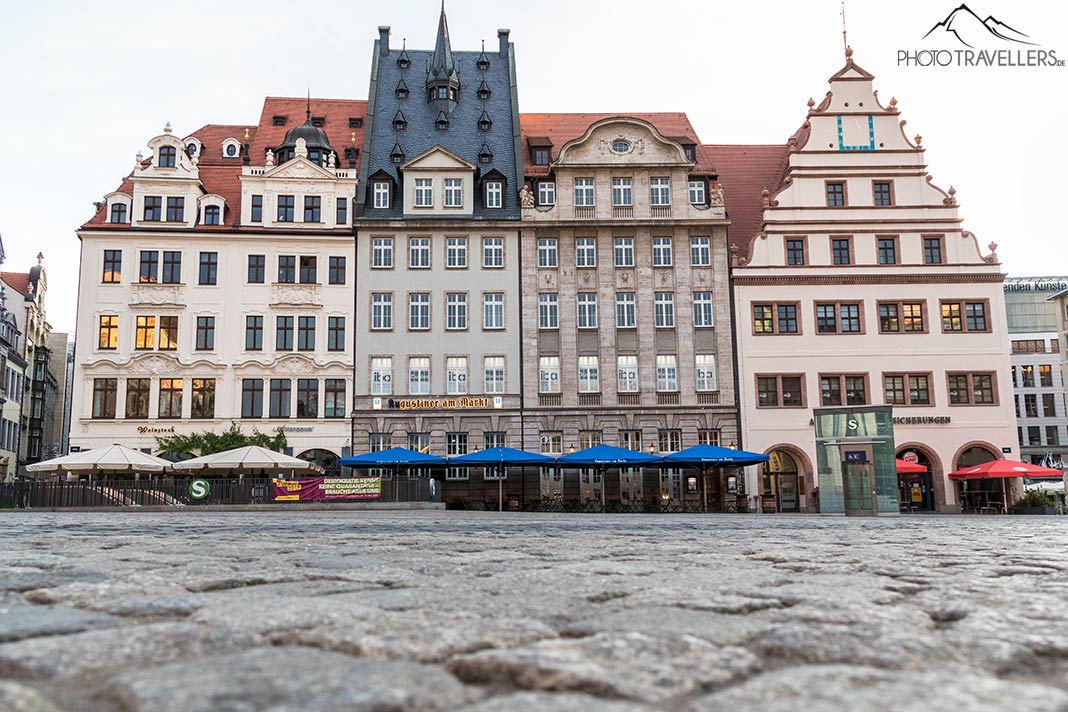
(604,483)
(500,491)
(704,490)
(1004,498)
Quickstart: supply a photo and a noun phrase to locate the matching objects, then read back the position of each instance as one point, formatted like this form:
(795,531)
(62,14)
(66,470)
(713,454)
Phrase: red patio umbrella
(1002,469)
(905,467)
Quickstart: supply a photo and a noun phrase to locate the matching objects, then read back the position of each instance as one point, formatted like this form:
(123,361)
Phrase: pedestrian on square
(21,492)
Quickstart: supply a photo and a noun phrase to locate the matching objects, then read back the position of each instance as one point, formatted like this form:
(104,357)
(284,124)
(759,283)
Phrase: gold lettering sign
(144,429)
(462,403)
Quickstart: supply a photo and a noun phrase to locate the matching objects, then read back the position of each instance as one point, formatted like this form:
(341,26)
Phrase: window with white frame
(622,194)
(419,311)
(424,192)
(381,194)
(584,192)
(418,253)
(589,374)
(382,253)
(664,310)
(418,375)
(585,252)
(624,251)
(549,374)
(697,192)
(382,375)
(493,310)
(492,252)
(700,251)
(382,310)
(708,437)
(627,374)
(456,310)
(493,373)
(546,192)
(547,256)
(625,310)
(456,444)
(456,375)
(587,310)
(552,443)
(548,311)
(706,372)
(456,253)
(667,373)
(702,309)
(660,191)
(662,252)
(454,192)
(494,194)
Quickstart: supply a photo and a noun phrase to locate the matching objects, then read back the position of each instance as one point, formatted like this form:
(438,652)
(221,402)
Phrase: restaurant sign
(326,489)
(461,403)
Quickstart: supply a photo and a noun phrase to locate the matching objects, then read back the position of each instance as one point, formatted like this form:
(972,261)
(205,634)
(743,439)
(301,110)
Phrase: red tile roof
(336,113)
(18,281)
(744,173)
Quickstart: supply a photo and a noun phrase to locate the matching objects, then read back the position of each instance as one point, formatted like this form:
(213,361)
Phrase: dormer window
(355,122)
(381,195)
(691,151)
(400,122)
(485,155)
(318,121)
(167,156)
(211,215)
(540,156)
(351,155)
(278,120)
(396,156)
(484,122)
(482,63)
(118,213)
(442,122)
(231,150)
(191,150)
(231,147)
(483,91)
(402,90)
(494,194)
(404,61)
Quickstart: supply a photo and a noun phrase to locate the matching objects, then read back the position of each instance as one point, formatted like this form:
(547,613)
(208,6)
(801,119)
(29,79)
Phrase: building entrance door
(859,481)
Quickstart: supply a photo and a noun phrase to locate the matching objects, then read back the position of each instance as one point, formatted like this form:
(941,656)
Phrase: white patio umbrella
(250,458)
(113,458)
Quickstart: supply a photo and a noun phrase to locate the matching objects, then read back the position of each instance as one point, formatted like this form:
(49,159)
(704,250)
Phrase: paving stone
(15,697)
(288,679)
(558,702)
(19,619)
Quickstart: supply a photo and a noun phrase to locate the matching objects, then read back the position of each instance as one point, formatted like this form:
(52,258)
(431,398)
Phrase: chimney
(383,40)
(502,35)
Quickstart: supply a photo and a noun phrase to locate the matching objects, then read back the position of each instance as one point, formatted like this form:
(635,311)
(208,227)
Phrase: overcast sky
(85,85)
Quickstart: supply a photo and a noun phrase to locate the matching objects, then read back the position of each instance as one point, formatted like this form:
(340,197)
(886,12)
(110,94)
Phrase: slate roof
(463,136)
(744,172)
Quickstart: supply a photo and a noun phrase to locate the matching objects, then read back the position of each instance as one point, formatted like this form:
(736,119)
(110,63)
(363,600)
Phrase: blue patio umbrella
(605,456)
(714,455)
(502,457)
(393,457)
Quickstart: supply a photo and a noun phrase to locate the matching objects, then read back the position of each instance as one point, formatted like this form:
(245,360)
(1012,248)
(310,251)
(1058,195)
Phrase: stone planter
(1033,510)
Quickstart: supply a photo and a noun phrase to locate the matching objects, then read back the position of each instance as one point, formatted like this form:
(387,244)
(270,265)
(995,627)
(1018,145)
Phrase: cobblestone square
(345,610)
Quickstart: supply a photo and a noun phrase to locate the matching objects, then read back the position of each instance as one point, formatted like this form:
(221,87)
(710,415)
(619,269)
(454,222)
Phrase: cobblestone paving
(305,611)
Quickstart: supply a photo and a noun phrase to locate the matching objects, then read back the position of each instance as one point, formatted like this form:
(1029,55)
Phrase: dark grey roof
(462,137)
(441,62)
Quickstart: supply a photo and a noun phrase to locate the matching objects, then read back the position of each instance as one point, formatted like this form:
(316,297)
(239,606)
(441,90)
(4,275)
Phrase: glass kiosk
(855,460)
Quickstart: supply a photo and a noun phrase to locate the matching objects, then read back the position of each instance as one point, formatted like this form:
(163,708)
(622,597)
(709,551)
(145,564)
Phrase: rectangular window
(281,392)
(418,253)
(587,310)
(493,252)
(172,268)
(702,309)
(493,310)
(105,393)
(697,192)
(253,333)
(381,310)
(838,318)
(708,437)
(836,195)
(342,211)
(257,216)
(630,440)
(1052,435)
(547,256)
(306,333)
(313,205)
(382,375)
(660,191)
(546,193)
(336,273)
(971,388)
(202,398)
(252,398)
(494,194)
(842,251)
(283,333)
(419,311)
(209,268)
(902,317)
(456,310)
(700,251)
(662,252)
(424,192)
(667,373)
(170,397)
(627,374)
(334,398)
(307,398)
(138,392)
(168,333)
(540,156)
(775,319)
(456,444)
(149,273)
(548,311)
(112,267)
(907,388)
(118,213)
(456,253)
(589,374)
(381,194)
(964,317)
(456,375)
(309,273)
(153,208)
(286,208)
(932,250)
(108,332)
(624,251)
(669,441)
(795,252)
(1030,405)
(664,310)
(257,269)
(205,337)
(836,389)
(1045,376)
(882,193)
(287,269)
(493,373)
(584,193)
(625,310)
(585,252)
(175,209)
(418,375)
(779,392)
(549,374)
(887,247)
(705,369)
(382,253)
(1027,376)
(622,195)
(454,192)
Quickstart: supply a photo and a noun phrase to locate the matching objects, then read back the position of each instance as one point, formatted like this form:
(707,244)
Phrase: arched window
(118,212)
(211,215)
(166,157)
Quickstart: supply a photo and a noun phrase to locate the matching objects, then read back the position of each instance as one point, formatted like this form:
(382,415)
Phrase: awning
(1003,468)
(608,455)
(113,458)
(714,455)
(393,457)
(249,458)
(905,467)
(502,456)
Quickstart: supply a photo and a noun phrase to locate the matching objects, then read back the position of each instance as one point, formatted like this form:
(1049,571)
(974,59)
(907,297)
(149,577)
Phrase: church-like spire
(442,65)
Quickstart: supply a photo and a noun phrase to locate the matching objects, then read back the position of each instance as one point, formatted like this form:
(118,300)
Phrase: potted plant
(1035,502)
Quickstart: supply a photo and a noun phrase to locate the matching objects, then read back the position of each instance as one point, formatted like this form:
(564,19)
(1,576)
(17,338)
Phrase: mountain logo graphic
(970,30)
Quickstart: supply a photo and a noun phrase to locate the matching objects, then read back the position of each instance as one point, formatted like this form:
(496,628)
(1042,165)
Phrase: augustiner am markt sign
(461,403)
